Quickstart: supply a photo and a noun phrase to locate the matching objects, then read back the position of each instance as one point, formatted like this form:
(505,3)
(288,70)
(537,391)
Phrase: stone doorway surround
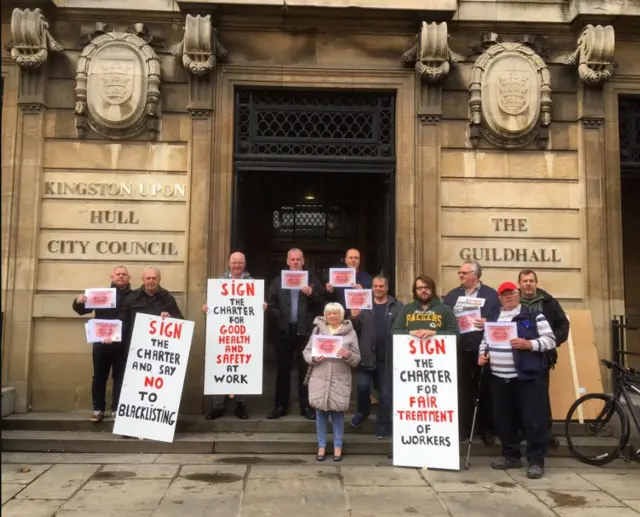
(402,82)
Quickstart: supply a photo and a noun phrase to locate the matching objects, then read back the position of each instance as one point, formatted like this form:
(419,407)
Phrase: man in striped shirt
(518,367)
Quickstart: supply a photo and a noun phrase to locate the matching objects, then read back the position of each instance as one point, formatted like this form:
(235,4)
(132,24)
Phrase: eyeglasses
(462,273)
(421,288)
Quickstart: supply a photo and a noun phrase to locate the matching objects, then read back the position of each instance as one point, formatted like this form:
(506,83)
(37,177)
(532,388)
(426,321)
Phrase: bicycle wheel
(604,433)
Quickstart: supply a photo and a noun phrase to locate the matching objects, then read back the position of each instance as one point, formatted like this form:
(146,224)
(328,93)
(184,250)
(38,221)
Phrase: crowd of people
(511,381)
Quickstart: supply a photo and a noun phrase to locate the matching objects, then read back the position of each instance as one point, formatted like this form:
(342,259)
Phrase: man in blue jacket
(518,388)
(471,295)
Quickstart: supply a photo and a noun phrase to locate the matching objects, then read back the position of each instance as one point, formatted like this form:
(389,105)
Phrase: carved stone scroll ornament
(431,53)
(118,85)
(510,96)
(200,48)
(594,55)
(32,40)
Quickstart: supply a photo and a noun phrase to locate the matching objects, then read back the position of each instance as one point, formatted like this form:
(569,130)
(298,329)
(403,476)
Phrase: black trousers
(523,403)
(289,349)
(468,380)
(546,381)
(111,358)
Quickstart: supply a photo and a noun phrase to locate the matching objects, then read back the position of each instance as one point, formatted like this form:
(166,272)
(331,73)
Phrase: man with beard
(426,315)
(542,301)
(109,356)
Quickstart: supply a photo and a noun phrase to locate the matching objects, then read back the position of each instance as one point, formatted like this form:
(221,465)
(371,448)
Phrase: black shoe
(535,471)
(390,456)
(241,412)
(278,412)
(507,463)
(554,443)
(320,457)
(216,412)
(308,413)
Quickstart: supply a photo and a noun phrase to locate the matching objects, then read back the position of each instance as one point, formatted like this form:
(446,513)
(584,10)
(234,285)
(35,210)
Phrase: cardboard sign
(326,346)
(234,342)
(358,299)
(154,377)
(99,330)
(425,402)
(342,276)
(100,298)
(294,279)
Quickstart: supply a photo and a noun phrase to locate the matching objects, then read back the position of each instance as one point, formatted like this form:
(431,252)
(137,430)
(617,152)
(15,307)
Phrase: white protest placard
(469,301)
(425,402)
(154,377)
(358,299)
(326,346)
(342,276)
(234,342)
(294,279)
(500,333)
(100,298)
(99,330)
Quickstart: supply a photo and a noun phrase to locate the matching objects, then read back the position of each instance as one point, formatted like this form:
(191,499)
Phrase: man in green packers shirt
(426,315)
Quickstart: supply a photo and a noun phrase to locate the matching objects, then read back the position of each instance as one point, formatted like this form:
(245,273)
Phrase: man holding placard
(349,277)
(151,298)
(473,303)
(515,346)
(237,271)
(109,355)
(294,299)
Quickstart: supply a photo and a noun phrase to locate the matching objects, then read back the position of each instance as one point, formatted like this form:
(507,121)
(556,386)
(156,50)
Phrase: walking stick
(475,413)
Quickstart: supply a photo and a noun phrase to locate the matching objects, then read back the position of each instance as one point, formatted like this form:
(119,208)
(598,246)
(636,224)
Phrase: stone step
(293,423)
(219,443)
(8,401)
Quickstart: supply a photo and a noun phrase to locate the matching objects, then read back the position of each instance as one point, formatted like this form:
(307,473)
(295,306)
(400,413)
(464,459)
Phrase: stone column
(427,187)
(30,48)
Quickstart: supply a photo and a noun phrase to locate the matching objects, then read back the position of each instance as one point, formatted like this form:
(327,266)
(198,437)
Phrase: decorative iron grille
(315,125)
(313,222)
(629,128)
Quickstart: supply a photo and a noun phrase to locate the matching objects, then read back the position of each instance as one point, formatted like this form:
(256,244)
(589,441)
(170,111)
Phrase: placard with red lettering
(425,402)
(342,276)
(326,346)
(154,377)
(500,333)
(100,330)
(466,320)
(234,342)
(294,279)
(358,299)
(100,298)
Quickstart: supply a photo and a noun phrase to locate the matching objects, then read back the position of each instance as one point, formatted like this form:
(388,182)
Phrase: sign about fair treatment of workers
(234,346)
(425,402)
(154,377)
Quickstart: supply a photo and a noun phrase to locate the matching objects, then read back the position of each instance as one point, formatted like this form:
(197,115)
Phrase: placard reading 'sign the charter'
(153,381)
(425,402)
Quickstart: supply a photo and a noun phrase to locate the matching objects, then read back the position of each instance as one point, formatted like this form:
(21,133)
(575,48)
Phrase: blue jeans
(364,384)
(322,422)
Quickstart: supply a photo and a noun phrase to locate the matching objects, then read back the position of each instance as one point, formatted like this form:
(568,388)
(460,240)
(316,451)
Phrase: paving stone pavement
(179,485)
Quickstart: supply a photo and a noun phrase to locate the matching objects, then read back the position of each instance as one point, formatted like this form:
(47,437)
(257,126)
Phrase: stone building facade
(170,132)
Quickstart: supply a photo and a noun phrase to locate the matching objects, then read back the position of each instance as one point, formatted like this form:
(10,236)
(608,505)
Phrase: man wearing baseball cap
(518,367)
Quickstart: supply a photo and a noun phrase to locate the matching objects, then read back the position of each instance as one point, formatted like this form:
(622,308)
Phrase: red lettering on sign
(153,382)
(166,329)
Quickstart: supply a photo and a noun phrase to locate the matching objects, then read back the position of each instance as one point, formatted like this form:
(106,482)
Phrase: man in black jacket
(152,299)
(108,356)
(375,342)
(294,311)
(473,294)
(534,298)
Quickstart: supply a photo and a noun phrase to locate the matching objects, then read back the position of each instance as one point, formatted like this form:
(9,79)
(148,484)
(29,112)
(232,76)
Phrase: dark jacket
(161,301)
(529,365)
(365,327)
(279,305)
(437,316)
(119,312)
(470,342)
(549,306)
(362,278)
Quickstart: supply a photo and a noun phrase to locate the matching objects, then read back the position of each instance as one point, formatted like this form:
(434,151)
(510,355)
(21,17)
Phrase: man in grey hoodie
(375,342)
